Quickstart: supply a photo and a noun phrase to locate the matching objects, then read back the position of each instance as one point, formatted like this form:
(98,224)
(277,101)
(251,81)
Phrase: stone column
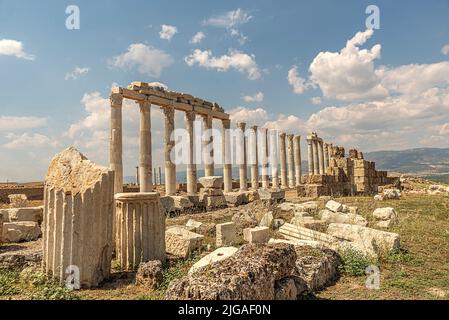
(140,225)
(242,157)
(264,157)
(170,167)
(330,147)
(115,141)
(254,158)
(326,157)
(78,220)
(145,159)
(208,146)
(227,155)
(297,152)
(291,161)
(316,161)
(321,155)
(274,152)
(310,155)
(192,187)
(283,160)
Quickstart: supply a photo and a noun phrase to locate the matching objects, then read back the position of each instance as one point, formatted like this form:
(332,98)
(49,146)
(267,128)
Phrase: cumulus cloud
(26,141)
(258,116)
(235,59)
(198,37)
(148,60)
(76,73)
(299,84)
(8,123)
(445,50)
(231,21)
(258,97)
(167,32)
(349,74)
(14,48)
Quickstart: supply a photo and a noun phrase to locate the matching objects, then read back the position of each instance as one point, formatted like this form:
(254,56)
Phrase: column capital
(283,135)
(116,99)
(169,111)
(254,128)
(191,115)
(290,137)
(241,125)
(264,130)
(226,123)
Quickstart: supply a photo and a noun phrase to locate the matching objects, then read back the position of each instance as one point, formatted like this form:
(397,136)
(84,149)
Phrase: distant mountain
(422,161)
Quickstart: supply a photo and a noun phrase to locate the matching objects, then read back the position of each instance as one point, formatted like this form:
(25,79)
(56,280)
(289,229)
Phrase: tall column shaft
(170,167)
(321,155)
(145,158)
(208,146)
(242,157)
(326,157)
(191,166)
(227,155)
(253,143)
(310,155)
(291,161)
(264,157)
(316,163)
(298,160)
(115,141)
(274,152)
(283,160)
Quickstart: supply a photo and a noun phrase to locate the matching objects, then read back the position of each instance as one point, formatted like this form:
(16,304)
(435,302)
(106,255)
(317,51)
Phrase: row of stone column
(319,154)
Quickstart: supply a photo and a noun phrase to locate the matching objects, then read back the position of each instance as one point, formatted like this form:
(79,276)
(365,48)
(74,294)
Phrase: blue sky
(354,105)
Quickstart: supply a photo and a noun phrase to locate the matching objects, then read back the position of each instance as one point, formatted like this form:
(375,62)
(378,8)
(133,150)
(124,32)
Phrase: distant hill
(422,161)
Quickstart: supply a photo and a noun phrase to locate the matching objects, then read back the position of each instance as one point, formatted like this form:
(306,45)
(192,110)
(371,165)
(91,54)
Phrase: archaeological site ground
(179,186)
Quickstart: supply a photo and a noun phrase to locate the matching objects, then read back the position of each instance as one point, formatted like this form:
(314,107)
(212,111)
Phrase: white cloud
(198,37)
(445,50)
(14,48)
(148,60)
(349,74)
(299,84)
(18,123)
(240,114)
(76,73)
(316,100)
(167,32)
(26,141)
(258,97)
(231,21)
(240,61)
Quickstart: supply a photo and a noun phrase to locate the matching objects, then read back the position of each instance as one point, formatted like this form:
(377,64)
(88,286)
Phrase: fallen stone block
(173,204)
(338,217)
(214,182)
(149,275)
(272,195)
(391,194)
(218,255)
(212,202)
(292,232)
(385,214)
(298,242)
(23,214)
(267,220)
(21,231)
(225,234)
(334,206)
(235,199)
(243,220)
(310,207)
(17,200)
(370,241)
(181,242)
(229,280)
(309,223)
(256,235)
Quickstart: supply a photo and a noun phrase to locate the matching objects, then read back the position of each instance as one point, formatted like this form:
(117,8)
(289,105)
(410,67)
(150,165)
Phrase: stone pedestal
(140,229)
(78,220)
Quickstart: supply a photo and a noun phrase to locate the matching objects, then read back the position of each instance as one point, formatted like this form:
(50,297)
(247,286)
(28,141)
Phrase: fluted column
(140,229)
(191,166)
(297,155)
(242,157)
(274,152)
(330,148)
(283,160)
(170,167)
(227,155)
(290,161)
(326,157)
(115,141)
(145,158)
(316,161)
(208,146)
(263,138)
(254,156)
(321,155)
(310,155)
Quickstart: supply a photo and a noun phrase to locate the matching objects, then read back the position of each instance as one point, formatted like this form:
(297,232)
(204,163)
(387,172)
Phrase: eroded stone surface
(214,182)
(21,231)
(149,274)
(181,242)
(218,255)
